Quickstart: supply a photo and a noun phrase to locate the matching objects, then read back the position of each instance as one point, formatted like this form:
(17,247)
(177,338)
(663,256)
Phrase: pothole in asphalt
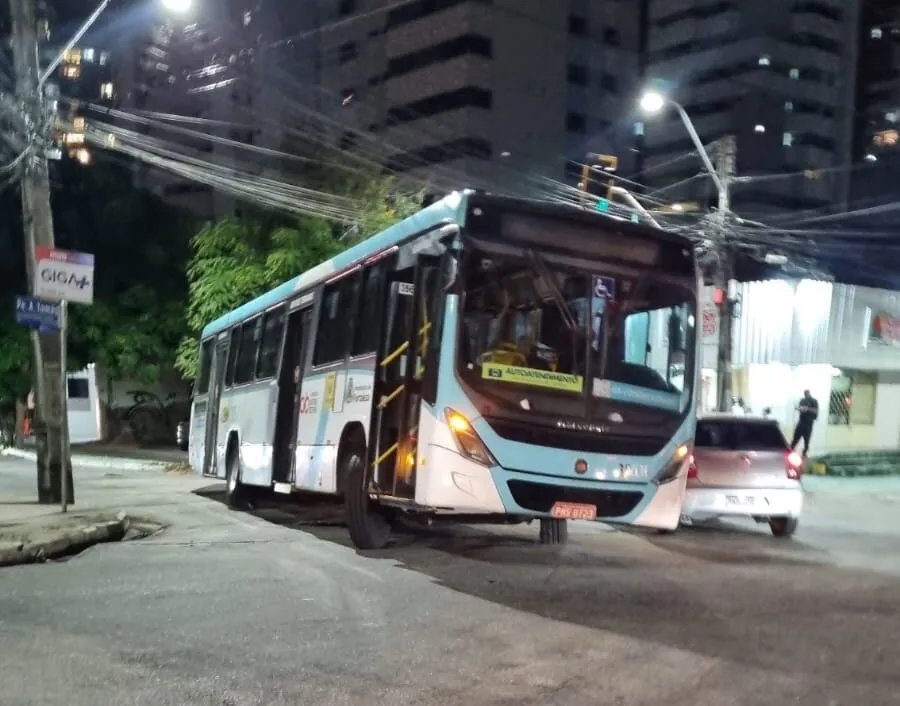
(70,537)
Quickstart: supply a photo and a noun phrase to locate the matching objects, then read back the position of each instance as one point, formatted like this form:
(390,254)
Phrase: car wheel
(783,526)
(554,531)
(369,525)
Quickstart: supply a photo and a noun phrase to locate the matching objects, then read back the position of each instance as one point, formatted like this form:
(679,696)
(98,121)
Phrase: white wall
(789,337)
(805,322)
(84,411)
(849,345)
(887,410)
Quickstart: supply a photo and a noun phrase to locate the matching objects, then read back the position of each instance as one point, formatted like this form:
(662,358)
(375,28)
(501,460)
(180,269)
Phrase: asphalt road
(275,607)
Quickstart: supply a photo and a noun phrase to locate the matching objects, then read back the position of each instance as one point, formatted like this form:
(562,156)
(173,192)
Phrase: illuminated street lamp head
(652,102)
(178,6)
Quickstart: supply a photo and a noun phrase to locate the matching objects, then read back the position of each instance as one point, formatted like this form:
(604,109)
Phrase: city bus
(485,360)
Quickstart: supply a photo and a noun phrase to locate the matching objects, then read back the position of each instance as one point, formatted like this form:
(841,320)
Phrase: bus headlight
(670,472)
(467,441)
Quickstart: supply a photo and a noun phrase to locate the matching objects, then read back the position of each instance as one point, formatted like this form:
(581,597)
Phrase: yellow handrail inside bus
(387,453)
(385,401)
(402,348)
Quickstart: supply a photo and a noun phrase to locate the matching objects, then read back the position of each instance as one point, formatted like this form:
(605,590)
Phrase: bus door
(400,369)
(289,401)
(213,404)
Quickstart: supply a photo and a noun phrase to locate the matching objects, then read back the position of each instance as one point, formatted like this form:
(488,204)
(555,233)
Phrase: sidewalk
(112,503)
(112,456)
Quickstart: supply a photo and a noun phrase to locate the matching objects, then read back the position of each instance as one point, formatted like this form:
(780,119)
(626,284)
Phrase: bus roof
(449,209)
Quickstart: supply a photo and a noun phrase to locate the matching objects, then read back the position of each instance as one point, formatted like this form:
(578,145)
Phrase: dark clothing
(809,412)
(803,431)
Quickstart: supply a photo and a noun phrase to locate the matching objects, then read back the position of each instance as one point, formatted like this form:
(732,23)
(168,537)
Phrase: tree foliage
(140,245)
(235,260)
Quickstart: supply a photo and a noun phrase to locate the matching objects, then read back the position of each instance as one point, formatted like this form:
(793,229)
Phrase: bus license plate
(574,511)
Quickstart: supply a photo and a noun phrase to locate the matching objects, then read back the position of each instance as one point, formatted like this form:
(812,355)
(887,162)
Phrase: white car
(742,466)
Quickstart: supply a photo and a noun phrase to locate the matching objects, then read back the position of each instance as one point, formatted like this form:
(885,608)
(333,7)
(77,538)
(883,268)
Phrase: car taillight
(793,464)
(693,473)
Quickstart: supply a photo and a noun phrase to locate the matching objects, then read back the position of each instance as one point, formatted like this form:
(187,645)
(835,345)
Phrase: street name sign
(37,314)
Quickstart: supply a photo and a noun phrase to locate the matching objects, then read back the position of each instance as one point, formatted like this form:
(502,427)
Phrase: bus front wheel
(554,531)
(368,524)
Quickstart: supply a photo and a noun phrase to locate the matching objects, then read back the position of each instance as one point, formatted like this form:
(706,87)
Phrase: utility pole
(50,420)
(725,158)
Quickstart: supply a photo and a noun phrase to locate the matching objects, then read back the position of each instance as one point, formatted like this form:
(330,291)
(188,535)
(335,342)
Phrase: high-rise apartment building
(878,91)
(490,93)
(780,77)
(878,104)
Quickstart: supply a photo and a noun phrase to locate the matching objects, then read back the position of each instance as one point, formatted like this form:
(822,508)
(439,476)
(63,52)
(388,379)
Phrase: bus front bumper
(452,484)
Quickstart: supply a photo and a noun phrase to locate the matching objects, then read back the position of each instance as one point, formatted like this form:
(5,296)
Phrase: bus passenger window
(332,338)
(205,363)
(365,339)
(270,346)
(246,358)
(233,347)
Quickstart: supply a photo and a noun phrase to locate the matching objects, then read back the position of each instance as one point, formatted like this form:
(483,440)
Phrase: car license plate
(739,500)
(574,511)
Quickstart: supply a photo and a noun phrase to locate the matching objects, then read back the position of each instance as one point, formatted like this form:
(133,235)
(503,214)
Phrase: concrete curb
(122,464)
(72,541)
(823,469)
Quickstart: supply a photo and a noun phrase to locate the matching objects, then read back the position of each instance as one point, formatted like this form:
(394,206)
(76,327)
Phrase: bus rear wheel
(554,531)
(369,525)
(235,493)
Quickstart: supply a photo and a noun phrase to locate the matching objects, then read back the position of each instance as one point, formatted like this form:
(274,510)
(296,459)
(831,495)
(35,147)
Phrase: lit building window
(106,90)
(248,18)
(78,124)
(104,58)
(759,129)
(787,139)
(789,107)
(639,128)
(765,60)
(89,55)
(73,56)
(72,71)
(891,117)
(886,138)
(795,73)
(875,33)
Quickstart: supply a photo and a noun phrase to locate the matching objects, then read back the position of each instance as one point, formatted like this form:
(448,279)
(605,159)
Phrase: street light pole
(721,174)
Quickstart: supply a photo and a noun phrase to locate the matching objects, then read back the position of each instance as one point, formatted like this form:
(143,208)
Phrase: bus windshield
(550,338)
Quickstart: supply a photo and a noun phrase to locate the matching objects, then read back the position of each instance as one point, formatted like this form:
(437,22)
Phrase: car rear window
(746,436)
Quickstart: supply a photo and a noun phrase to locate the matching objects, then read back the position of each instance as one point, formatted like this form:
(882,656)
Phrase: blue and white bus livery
(487,359)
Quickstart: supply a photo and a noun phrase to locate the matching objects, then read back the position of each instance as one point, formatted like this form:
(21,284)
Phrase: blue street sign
(37,314)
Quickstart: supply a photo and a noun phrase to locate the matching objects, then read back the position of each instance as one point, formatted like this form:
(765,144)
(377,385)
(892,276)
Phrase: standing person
(809,412)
